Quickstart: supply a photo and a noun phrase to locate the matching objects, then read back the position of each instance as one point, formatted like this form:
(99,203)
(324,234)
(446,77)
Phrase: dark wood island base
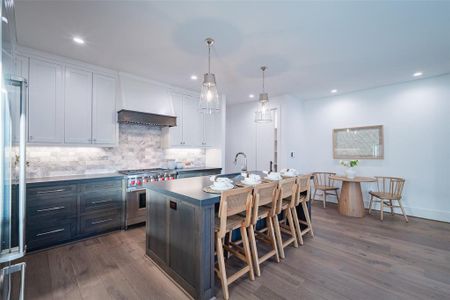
(180,233)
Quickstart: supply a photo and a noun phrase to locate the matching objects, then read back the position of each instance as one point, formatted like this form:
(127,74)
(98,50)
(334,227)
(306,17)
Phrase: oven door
(136,207)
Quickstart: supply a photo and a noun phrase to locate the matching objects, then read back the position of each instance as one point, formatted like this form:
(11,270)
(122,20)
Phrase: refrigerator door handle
(19,251)
(22,162)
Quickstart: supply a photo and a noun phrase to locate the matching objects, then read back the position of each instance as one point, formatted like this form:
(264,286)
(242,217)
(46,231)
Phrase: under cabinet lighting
(78,40)
(417,74)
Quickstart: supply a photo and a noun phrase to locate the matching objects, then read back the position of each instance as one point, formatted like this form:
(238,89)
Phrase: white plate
(288,175)
(250,182)
(221,189)
(271,179)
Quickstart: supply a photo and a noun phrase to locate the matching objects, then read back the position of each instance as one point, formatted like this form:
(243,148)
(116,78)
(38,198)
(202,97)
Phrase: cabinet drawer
(105,200)
(48,192)
(100,222)
(51,208)
(50,234)
(101,185)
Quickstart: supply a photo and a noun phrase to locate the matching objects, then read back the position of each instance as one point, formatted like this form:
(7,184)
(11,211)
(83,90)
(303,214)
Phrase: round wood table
(351,202)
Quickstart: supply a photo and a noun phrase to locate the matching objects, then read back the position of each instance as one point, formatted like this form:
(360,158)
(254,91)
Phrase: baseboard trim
(420,212)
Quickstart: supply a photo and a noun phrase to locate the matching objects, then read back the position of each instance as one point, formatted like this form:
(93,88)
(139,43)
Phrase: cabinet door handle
(50,208)
(101,201)
(52,191)
(101,221)
(50,232)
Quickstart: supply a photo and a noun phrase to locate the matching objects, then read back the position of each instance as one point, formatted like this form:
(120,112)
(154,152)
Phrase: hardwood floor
(349,258)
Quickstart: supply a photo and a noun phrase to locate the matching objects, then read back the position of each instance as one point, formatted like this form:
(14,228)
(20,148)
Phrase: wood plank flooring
(348,259)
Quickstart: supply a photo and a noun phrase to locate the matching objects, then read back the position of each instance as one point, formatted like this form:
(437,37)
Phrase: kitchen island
(180,232)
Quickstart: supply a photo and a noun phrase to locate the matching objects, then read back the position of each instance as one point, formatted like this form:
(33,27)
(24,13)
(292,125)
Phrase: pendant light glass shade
(209,97)
(263,114)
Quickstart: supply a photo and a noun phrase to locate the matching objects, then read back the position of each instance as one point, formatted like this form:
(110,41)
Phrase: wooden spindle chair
(324,184)
(287,189)
(234,213)
(264,207)
(389,189)
(303,192)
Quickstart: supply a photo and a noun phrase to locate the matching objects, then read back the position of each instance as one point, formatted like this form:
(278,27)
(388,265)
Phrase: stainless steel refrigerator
(12,163)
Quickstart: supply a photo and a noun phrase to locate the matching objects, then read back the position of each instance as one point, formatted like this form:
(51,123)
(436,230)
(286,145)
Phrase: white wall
(416,119)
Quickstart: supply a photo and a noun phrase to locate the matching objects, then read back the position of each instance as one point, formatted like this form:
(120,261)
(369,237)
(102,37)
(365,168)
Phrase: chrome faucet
(244,168)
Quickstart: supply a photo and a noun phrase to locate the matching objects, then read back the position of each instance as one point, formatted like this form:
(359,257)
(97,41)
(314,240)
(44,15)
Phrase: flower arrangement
(350,163)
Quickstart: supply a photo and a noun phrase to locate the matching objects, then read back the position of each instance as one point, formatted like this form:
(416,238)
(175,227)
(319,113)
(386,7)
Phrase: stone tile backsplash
(139,148)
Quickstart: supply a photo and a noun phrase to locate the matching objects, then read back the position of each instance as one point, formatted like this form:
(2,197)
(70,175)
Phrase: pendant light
(209,97)
(263,114)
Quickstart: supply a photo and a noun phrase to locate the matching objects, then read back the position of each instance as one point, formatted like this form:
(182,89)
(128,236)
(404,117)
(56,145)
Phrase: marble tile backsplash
(139,148)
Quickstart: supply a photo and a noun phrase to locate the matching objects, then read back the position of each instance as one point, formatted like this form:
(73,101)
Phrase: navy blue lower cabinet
(64,211)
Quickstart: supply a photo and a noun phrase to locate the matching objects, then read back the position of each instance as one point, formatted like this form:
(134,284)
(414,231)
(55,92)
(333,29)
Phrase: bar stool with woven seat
(388,189)
(287,189)
(303,191)
(234,213)
(323,183)
(264,207)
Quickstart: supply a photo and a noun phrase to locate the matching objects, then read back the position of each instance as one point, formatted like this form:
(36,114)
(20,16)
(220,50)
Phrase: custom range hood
(142,118)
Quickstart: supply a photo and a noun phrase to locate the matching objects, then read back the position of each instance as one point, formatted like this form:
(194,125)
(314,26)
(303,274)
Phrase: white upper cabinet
(209,129)
(173,136)
(104,121)
(69,103)
(45,102)
(143,95)
(192,123)
(194,129)
(78,106)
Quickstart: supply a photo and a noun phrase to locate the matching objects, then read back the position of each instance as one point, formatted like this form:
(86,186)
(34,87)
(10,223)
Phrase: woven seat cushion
(233,222)
(285,204)
(326,188)
(386,196)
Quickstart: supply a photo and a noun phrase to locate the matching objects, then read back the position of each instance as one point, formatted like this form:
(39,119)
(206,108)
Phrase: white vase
(350,173)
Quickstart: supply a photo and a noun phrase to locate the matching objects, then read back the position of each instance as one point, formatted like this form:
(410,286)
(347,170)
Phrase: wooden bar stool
(388,189)
(323,183)
(287,189)
(234,212)
(303,192)
(264,207)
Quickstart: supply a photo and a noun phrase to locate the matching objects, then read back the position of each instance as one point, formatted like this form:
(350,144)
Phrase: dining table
(351,202)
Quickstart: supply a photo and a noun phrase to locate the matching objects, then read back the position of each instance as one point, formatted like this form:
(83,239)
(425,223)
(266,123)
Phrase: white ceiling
(309,47)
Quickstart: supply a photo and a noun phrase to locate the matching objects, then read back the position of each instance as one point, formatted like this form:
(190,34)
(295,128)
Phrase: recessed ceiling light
(417,74)
(78,40)
(334,91)
(194,77)
(251,96)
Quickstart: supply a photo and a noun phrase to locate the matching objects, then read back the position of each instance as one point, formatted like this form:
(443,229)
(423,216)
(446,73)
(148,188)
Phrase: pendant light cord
(209,58)
(263,81)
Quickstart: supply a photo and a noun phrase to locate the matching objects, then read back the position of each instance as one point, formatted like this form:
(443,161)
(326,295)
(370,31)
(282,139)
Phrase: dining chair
(302,198)
(389,189)
(324,184)
(287,189)
(234,213)
(264,208)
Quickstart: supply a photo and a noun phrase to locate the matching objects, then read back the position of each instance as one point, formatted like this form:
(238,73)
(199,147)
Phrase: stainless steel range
(136,194)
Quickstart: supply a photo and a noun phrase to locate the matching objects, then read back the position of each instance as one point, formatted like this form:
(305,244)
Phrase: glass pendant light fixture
(209,97)
(263,114)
